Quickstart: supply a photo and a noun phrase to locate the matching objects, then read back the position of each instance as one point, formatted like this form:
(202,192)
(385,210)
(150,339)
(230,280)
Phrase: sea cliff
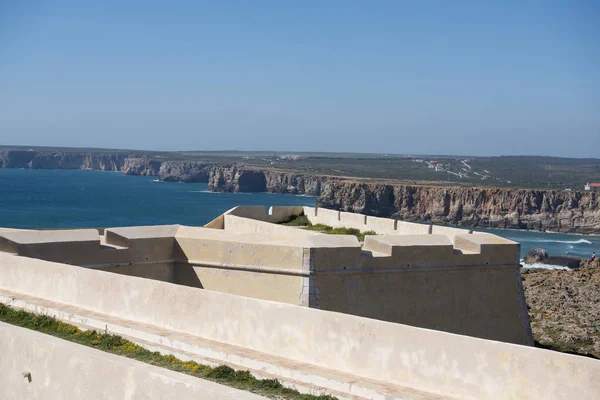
(62,160)
(556,210)
(141,166)
(241,179)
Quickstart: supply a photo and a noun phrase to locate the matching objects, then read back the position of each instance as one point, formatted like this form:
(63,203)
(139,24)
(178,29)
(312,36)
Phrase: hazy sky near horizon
(431,77)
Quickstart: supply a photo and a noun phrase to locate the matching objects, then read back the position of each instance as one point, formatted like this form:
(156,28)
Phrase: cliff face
(240,179)
(478,207)
(484,207)
(475,207)
(183,171)
(141,166)
(62,160)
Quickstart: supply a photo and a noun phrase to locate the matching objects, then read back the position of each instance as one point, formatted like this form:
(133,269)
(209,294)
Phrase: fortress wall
(448,230)
(247,225)
(412,228)
(254,212)
(249,283)
(284,213)
(148,257)
(383,226)
(479,302)
(326,217)
(64,370)
(435,361)
(274,214)
(217,252)
(419,280)
(158,271)
(75,252)
(8,246)
(217,223)
(259,270)
(358,221)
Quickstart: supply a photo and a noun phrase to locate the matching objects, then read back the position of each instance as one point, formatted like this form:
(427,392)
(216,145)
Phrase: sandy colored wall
(218,247)
(255,284)
(472,301)
(64,370)
(162,271)
(436,361)
(86,247)
(448,230)
(271,214)
(383,226)
(248,225)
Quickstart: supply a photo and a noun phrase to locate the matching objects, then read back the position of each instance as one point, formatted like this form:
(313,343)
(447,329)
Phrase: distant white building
(592,186)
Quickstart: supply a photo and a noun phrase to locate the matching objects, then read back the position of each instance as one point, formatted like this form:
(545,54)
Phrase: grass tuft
(297,220)
(340,231)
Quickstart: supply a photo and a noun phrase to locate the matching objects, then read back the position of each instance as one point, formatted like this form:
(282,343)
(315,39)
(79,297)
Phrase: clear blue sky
(452,77)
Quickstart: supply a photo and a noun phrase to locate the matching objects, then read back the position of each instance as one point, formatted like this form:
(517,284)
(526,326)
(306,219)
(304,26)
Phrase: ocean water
(556,244)
(92,199)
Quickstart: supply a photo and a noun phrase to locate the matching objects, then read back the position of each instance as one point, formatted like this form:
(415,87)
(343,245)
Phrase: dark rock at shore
(535,256)
(538,255)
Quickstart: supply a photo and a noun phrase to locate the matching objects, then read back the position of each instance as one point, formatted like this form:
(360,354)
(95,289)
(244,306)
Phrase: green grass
(302,221)
(340,231)
(297,220)
(117,345)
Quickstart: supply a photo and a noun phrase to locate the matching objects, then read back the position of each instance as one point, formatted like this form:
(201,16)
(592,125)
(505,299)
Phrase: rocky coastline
(564,308)
(556,210)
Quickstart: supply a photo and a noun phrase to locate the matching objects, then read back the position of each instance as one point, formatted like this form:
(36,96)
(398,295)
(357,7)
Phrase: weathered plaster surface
(396,354)
(57,369)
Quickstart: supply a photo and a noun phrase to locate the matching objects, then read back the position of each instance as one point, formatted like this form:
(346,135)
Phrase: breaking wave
(580,241)
(544,266)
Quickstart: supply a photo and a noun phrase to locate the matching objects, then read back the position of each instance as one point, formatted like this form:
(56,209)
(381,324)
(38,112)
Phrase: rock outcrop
(537,255)
(564,308)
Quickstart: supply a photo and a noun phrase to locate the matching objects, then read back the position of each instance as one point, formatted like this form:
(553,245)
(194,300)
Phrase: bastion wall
(460,282)
(392,354)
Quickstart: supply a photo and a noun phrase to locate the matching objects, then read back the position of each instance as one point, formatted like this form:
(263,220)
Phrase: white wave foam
(202,191)
(544,266)
(155,180)
(580,241)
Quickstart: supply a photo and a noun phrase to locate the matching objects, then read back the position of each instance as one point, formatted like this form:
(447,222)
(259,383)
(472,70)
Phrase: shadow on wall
(186,275)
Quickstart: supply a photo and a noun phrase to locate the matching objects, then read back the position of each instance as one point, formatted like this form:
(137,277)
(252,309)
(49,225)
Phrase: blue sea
(93,199)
